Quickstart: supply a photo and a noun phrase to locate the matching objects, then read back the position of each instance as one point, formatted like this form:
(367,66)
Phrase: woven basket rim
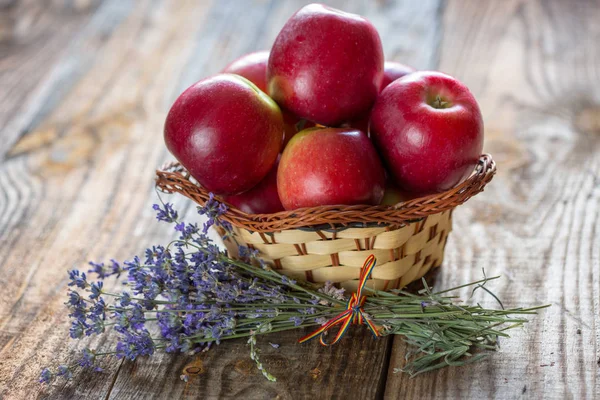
(173,178)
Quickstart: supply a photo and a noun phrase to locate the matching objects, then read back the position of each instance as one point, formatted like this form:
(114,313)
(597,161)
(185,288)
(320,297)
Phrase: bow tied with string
(354,312)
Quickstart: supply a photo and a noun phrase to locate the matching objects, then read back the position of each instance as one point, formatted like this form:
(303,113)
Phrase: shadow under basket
(331,243)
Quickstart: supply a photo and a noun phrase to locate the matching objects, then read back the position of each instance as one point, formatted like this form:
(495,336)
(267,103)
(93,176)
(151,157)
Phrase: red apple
(428,128)
(293,125)
(362,124)
(392,195)
(329,166)
(253,67)
(393,70)
(326,65)
(225,132)
(261,199)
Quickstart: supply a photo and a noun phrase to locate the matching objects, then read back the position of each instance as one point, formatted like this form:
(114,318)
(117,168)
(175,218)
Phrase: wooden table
(84,89)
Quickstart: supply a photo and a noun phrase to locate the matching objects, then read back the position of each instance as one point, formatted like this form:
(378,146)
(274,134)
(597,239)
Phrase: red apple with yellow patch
(226,132)
(261,199)
(330,166)
(253,66)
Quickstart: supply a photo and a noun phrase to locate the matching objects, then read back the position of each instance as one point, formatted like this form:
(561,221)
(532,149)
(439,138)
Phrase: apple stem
(439,103)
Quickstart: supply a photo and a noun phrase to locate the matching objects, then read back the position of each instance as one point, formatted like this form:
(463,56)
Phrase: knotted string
(353,313)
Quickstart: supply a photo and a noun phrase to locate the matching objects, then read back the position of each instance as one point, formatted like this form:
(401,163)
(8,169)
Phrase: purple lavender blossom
(65,372)
(99,269)
(165,212)
(171,329)
(88,360)
(287,281)
(330,290)
(115,268)
(190,289)
(103,271)
(75,300)
(98,309)
(96,289)
(77,329)
(125,299)
(96,318)
(77,279)
(129,318)
(213,209)
(134,345)
(133,264)
(46,376)
(247,254)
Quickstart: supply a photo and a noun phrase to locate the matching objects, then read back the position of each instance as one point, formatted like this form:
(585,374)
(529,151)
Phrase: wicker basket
(331,243)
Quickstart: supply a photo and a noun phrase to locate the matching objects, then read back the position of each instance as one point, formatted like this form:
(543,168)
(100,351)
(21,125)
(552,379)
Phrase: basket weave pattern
(404,253)
(330,243)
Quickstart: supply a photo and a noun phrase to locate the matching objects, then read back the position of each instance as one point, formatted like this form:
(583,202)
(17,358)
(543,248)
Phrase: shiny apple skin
(326,65)
(261,199)
(330,166)
(427,149)
(393,70)
(362,124)
(225,132)
(252,66)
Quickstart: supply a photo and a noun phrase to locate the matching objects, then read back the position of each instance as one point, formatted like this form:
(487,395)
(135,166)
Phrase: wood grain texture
(302,371)
(85,86)
(536,77)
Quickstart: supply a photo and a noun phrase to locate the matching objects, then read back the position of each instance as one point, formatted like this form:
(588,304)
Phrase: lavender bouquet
(197,296)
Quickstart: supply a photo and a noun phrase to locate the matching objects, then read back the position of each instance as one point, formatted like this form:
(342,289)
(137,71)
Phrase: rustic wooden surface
(84,89)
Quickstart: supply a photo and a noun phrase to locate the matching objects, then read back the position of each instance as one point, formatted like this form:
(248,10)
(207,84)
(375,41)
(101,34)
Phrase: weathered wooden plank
(34,37)
(302,371)
(534,68)
(98,137)
(357,367)
(363,385)
(86,192)
(78,184)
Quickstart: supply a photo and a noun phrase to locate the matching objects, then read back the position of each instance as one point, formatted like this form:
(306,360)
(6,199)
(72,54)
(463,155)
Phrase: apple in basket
(393,195)
(428,128)
(261,199)
(226,132)
(253,67)
(393,70)
(326,65)
(329,166)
